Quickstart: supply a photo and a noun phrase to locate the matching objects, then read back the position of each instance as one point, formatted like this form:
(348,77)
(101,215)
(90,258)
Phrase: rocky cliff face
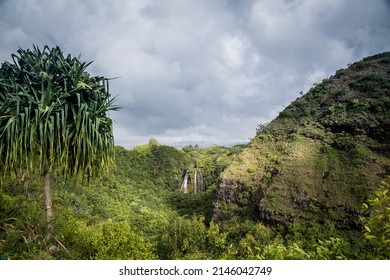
(320,158)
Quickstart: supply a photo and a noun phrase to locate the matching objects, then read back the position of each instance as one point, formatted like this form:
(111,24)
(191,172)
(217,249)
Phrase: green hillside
(321,158)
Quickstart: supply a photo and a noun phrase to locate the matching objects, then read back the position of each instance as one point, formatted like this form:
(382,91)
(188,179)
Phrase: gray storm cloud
(203,72)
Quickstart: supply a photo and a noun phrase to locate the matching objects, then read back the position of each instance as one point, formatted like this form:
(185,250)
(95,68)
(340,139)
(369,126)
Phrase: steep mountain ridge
(321,158)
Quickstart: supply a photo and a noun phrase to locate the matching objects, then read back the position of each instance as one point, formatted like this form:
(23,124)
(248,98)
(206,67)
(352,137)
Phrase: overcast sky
(200,71)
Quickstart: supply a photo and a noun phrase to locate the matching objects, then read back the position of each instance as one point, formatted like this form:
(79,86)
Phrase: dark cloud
(201,71)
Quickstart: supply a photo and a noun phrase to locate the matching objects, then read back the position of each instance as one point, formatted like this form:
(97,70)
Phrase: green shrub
(286,113)
(370,83)
(91,239)
(191,239)
(22,229)
(330,249)
(376,222)
(336,109)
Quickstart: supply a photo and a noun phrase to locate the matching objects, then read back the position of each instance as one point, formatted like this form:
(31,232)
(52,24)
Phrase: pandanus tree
(53,115)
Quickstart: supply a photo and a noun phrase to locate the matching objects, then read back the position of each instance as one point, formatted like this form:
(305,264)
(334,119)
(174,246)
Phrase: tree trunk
(48,203)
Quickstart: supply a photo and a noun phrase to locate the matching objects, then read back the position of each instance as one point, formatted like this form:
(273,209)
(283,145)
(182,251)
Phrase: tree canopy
(53,112)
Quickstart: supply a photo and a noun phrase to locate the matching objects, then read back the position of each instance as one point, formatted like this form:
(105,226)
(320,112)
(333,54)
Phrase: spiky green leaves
(52,110)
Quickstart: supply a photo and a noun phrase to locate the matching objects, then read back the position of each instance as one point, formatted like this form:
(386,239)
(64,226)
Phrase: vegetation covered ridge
(321,158)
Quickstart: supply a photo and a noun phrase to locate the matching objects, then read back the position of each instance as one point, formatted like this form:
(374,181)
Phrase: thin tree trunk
(48,203)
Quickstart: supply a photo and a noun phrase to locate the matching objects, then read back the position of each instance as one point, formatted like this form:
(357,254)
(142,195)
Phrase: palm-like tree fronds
(52,112)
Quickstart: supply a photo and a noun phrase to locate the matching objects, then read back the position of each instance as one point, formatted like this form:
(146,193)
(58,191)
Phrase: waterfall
(184,184)
(198,182)
(201,182)
(195,182)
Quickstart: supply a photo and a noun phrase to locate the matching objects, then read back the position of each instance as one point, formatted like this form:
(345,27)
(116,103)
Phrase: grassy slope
(341,127)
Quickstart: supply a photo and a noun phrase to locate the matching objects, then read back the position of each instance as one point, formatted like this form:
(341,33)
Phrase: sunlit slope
(320,158)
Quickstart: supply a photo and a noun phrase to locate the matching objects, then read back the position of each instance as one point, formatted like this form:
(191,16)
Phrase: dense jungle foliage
(312,184)
(138,213)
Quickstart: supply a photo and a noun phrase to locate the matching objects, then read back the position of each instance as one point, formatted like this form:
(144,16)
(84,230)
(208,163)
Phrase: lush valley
(312,184)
